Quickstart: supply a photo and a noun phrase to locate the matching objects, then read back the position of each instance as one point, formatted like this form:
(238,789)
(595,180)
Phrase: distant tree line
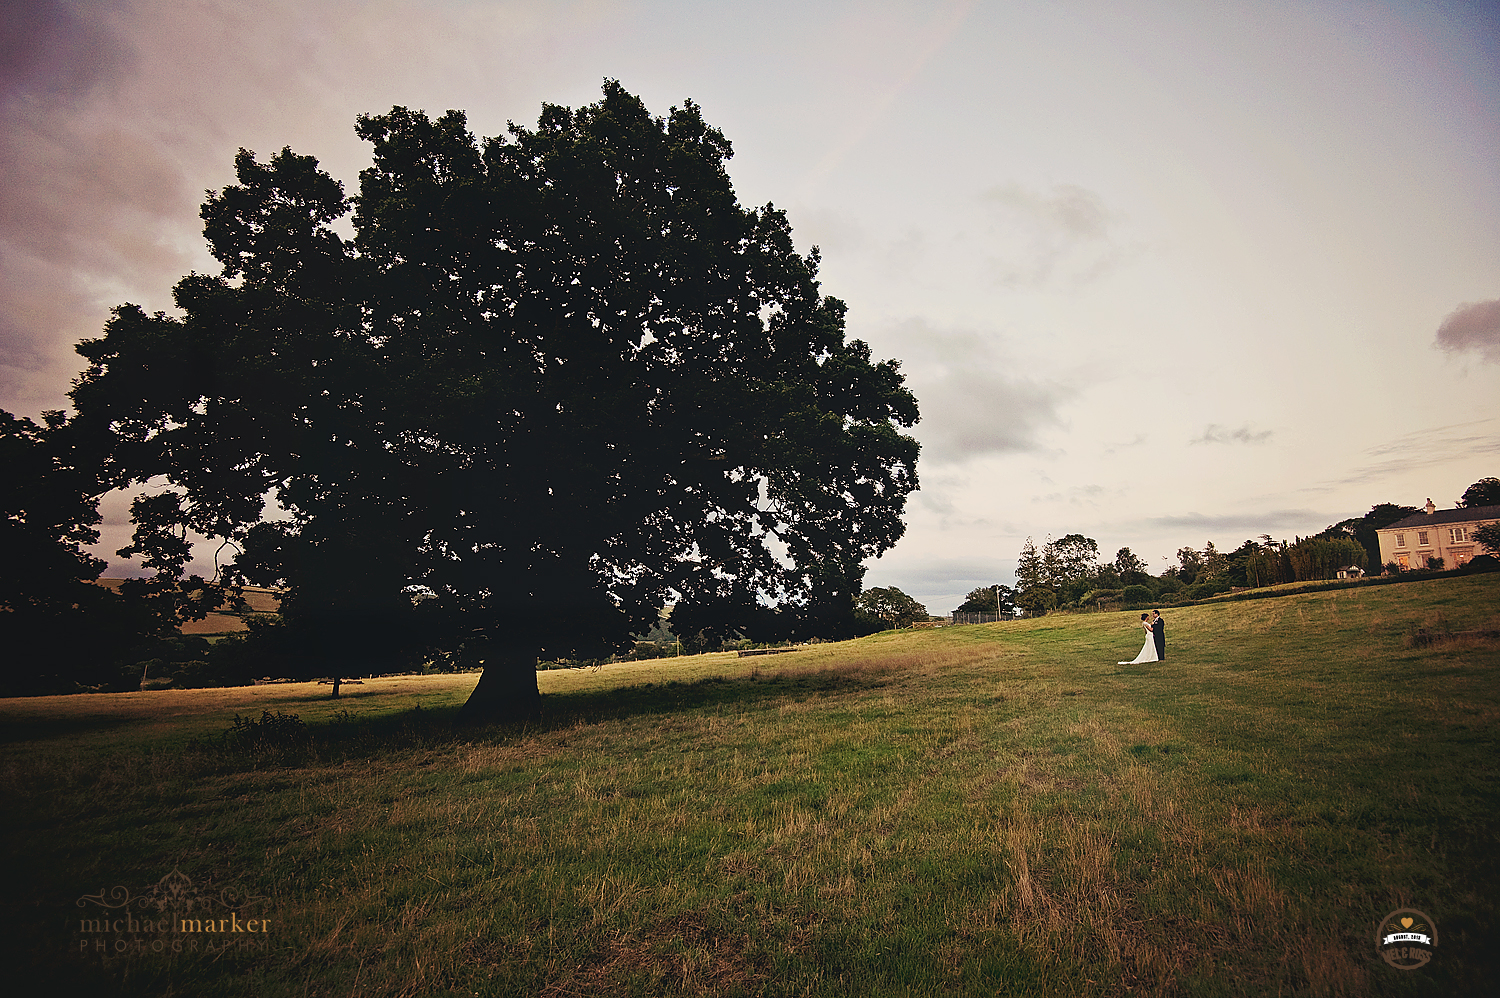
(1067,573)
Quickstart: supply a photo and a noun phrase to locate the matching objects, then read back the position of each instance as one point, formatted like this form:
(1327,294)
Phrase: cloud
(973,402)
(916,46)
(47,52)
(1262,522)
(937,501)
(1472,326)
(1114,448)
(1077,495)
(95,196)
(831,230)
(55,58)
(1449,441)
(1064,236)
(1432,447)
(1216,434)
(969,413)
(114,118)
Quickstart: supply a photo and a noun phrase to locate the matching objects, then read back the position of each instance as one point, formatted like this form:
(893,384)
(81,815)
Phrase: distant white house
(1435,533)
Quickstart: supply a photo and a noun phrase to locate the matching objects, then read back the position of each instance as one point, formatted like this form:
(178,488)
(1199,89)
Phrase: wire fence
(981,618)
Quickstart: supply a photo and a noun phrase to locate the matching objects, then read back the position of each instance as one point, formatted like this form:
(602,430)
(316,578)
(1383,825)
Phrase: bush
(1036,602)
(1483,563)
(273,738)
(154,673)
(197,675)
(1137,595)
(1094,597)
(184,662)
(1203,590)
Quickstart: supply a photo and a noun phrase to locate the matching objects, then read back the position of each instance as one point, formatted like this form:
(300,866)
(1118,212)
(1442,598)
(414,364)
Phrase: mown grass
(993,809)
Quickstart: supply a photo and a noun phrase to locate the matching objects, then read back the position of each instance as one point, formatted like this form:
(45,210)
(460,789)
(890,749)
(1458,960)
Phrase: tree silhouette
(60,631)
(999,600)
(554,381)
(1365,529)
(1485,492)
(891,606)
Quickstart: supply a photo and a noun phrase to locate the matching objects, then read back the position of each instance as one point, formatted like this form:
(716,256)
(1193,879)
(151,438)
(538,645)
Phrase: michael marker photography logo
(171,918)
(1406,939)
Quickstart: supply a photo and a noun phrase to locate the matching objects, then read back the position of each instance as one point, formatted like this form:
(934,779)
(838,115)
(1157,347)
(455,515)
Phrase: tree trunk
(507,687)
(336,681)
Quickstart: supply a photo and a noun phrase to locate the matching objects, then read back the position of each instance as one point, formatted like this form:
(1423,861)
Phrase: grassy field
(988,810)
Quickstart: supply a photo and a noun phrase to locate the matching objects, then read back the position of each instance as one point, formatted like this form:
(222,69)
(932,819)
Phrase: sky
(1159,273)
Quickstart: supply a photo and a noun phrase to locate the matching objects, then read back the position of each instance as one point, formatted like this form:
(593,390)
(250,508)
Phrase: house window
(1458,535)
(1401,560)
(1422,540)
(1401,540)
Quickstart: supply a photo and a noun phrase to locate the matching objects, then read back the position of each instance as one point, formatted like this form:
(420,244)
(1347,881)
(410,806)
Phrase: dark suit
(1159,632)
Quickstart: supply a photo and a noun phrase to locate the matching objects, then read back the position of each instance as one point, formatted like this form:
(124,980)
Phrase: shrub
(1137,595)
(1036,602)
(276,735)
(195,675)
(1202,590)
(1483,563)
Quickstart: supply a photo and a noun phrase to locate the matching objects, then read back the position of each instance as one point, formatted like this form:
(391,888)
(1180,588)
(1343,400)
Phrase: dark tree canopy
(997,599)
(60,632)
(890,606)
(1130,568)
(555,380)
(1071,562)
(1365,528)
(49,514)
(1485,492)
(1034,594)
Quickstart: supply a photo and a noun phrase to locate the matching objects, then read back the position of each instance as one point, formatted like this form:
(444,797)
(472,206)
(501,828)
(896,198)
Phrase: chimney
(1430,508)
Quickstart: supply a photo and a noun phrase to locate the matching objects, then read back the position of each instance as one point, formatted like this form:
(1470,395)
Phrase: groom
(1159,631)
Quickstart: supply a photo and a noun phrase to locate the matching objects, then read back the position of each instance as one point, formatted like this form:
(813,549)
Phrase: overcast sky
(1160,273)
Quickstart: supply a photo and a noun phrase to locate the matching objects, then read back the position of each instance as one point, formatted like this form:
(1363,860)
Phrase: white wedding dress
(1148,651)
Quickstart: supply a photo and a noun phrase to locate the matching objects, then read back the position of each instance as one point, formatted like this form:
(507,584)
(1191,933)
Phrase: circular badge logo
(1405,939)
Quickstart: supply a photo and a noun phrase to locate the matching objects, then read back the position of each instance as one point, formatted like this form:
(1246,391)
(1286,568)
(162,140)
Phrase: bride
(1148,650)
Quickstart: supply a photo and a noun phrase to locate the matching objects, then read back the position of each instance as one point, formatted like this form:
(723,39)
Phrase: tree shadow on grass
(751,691)
(350,734)
(29,729)
(754,691)
(42,727)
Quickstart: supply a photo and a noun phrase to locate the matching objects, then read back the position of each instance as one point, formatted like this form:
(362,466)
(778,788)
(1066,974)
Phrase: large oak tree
(554,380)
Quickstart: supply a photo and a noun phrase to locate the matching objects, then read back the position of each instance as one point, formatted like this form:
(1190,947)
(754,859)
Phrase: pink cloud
(1473,326)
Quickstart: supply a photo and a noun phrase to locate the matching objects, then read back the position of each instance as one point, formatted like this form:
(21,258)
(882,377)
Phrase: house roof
(1467,514)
